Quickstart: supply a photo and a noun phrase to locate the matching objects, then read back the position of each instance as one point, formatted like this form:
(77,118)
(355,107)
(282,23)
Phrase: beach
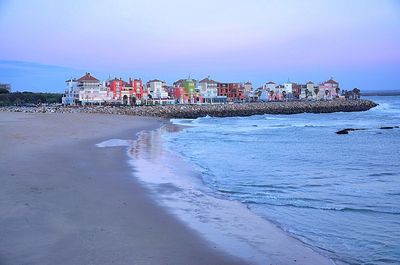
(65,201)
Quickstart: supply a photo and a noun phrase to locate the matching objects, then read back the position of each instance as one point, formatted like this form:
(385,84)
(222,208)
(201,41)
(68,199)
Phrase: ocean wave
(183,122)
(114,143)
(274,186)
(343,209)
(382,174)
(383,261)
(393,193)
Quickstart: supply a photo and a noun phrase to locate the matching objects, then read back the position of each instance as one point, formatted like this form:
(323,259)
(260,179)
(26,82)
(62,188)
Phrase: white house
(156,89)
(71,93)
(264,95)
(247,86)
(288,87)
(308,90)
(91,90)
(270,86)
(208,89)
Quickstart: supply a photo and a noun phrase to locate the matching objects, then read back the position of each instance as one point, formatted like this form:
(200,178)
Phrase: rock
(344,131)
(347,130)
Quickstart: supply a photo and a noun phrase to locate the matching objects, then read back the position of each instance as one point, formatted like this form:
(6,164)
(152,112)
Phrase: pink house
(329,89)
(179,94)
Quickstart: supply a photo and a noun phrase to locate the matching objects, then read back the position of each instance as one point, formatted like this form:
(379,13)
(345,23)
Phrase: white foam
(115,143)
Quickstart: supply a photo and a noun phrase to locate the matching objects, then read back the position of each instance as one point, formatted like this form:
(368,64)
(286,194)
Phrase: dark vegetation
(27,98)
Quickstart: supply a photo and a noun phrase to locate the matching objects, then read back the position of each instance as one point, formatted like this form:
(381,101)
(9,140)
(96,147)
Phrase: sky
(45,42)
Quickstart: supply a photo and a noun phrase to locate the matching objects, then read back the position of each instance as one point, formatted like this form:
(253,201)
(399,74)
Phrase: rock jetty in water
(347,130)
(217,110)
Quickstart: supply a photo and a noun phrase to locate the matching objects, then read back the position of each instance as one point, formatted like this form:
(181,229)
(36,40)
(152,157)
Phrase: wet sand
(65,201)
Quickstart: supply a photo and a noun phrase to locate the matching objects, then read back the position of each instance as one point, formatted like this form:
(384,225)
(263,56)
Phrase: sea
(231,178)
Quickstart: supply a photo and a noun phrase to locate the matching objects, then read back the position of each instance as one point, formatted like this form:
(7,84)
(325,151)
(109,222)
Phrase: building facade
(209,90)
(156,89)
(234,92)
(71,93)
(115,88)
(91,91)
(156,93)
(269,86)
(329,89)
(247,87)
(308,90)
(137,86)
(296,90)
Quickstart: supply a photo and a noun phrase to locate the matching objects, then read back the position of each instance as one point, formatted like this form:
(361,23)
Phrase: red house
(179,94)
(233,91)
(223,89)
(115,88)
(296,90)
(137,86)
(236,92)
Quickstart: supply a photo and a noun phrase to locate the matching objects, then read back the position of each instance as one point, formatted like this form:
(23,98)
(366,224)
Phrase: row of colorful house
(326,90)
(90,90)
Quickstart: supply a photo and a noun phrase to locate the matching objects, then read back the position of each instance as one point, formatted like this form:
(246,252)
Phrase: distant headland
(392,92)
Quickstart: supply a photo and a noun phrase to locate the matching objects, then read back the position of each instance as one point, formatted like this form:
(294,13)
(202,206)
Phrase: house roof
(118,79)
(156,80)
(331,81)
(180,81)
(270,83)
(310,83)
(88,77)
(248,83)
(208,81)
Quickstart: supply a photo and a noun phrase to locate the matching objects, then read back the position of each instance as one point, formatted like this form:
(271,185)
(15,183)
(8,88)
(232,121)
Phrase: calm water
(339,193)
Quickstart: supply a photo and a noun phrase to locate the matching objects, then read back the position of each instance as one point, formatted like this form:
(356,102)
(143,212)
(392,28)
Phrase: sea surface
(338,194)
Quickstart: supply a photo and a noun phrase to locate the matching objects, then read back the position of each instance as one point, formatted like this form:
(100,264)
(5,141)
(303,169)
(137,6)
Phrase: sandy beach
(65,201)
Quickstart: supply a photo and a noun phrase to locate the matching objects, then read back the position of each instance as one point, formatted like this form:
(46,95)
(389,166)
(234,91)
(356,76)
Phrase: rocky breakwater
(248,109)
(215,110)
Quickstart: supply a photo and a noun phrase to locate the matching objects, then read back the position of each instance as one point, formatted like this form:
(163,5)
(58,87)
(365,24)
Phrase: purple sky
(44,42)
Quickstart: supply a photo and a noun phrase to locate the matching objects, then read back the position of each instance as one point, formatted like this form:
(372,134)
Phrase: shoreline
(217,110)
(229,224)
(64,200)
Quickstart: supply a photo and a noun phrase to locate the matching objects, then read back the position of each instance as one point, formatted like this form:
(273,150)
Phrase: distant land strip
(382,93)
(217,110)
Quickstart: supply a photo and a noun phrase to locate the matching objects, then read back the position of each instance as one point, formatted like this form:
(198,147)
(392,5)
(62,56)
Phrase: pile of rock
(215,110)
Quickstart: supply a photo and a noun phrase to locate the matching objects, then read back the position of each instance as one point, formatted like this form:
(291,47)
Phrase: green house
(189,86)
